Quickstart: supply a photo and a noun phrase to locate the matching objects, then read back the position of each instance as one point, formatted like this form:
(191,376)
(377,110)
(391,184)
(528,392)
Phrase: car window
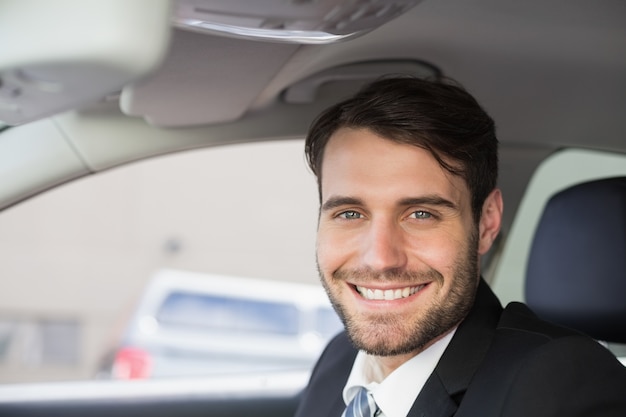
(80,256)
(326,322)
(231,315)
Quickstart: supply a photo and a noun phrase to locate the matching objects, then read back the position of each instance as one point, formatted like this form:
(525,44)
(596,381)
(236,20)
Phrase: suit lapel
(446,386)
(433,400)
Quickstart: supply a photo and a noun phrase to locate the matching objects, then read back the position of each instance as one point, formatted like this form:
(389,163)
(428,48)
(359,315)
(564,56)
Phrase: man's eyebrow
(338,201)
(431,200)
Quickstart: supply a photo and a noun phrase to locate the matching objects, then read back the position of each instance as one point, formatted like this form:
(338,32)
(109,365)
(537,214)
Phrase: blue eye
(350,215)
(420,214)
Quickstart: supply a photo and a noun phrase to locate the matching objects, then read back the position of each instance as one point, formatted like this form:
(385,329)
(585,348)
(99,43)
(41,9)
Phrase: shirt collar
(395,394)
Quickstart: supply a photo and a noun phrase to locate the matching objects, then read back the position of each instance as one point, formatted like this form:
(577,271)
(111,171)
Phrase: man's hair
(438,116)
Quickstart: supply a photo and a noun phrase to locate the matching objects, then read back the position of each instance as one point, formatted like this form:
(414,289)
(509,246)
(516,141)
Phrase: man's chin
(386,350)
(385,343)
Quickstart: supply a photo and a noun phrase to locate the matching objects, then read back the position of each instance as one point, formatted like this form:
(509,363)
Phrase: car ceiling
(552,74)
(549,72)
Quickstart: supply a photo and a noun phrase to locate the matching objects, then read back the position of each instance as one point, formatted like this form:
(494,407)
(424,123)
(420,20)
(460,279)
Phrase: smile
(388,295)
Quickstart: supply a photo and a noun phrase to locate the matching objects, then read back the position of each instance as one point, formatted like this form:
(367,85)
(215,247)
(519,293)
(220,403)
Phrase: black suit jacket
(499,363)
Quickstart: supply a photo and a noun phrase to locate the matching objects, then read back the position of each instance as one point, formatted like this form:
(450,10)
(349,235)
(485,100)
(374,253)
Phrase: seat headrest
(576,273)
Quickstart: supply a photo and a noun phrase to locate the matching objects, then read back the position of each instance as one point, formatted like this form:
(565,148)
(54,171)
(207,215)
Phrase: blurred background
(75,261)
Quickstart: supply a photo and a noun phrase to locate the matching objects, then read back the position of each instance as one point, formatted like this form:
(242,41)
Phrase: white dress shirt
(395,394)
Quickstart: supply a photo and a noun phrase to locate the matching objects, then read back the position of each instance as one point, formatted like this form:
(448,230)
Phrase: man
(407,175)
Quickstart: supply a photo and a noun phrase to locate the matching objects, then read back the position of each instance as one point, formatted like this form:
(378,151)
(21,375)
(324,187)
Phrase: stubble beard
(390,334)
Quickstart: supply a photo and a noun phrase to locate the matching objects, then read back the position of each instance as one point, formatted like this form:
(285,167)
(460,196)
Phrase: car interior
(87,88)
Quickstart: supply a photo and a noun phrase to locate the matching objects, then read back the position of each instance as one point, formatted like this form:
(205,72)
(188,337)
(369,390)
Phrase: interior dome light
(294,21)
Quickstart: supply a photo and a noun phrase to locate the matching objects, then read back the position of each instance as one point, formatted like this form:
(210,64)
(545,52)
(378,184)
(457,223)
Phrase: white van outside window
(190,323)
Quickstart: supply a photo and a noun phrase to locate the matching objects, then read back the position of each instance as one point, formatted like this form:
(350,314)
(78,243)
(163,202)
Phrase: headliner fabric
(576,273)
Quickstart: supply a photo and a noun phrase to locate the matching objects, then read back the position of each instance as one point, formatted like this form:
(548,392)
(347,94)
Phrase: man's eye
(350,215)
(420,214)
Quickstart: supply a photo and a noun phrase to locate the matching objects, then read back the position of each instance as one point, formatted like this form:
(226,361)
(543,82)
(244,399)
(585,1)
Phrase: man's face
(397,247)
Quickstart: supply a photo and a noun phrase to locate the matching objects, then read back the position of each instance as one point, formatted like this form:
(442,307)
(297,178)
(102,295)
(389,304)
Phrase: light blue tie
(362,405)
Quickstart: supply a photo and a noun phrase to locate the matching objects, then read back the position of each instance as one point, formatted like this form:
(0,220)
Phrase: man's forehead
(361,137)
(358,162)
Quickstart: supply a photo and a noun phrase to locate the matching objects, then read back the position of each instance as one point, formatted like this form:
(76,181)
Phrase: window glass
(59,341)
(327,322)
(79,257)
(230,315)
(7,331)
(34,343)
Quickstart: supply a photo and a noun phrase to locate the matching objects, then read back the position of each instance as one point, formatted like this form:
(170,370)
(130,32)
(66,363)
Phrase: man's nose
(383,246)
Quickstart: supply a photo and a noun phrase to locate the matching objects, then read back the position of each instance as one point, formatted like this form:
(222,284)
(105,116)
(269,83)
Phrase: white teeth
(388,295)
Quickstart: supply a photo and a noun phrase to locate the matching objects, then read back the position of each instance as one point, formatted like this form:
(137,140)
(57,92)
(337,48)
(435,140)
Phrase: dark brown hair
(439,116)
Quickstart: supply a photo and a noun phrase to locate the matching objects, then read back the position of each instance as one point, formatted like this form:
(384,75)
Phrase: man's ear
(490,221)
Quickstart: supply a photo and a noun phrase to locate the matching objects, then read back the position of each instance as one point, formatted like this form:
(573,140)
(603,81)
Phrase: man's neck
(388,364)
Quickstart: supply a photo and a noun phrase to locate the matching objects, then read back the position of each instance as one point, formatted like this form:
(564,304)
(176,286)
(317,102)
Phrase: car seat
(576,274)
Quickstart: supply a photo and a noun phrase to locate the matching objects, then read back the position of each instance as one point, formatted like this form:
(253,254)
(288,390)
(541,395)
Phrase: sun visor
(58,55)
(206,79)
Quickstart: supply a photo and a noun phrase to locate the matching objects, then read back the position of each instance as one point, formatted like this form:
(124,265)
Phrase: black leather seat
(576,273)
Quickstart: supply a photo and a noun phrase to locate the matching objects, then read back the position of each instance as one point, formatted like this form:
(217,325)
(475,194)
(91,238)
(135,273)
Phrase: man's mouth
(388,295)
